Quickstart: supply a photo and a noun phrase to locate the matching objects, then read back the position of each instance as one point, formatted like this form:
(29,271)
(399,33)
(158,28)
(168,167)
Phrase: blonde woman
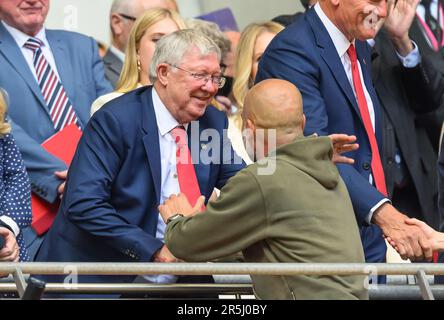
(15,195)
(147,30)
(252,44)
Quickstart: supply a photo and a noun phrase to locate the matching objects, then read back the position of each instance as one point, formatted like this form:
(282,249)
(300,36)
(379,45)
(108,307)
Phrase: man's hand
(343,143)
(436,238)
(409,240)
(10,252)
(179,204)
(62,176)
(224,104)
(397,24)
(164,255)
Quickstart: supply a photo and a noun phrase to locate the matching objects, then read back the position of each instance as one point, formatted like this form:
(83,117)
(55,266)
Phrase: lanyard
(430,35)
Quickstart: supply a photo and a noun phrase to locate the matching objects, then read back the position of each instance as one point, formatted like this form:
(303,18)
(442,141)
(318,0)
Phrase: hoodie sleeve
(230,224)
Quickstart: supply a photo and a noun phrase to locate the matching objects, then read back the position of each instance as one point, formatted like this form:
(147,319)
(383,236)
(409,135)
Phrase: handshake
(411,238)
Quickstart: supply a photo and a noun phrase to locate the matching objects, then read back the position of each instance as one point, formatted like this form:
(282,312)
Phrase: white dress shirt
(21,38)
(169,182)
(342,44)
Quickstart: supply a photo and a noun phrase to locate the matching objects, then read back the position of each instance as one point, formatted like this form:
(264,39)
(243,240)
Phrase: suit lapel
(151,140)
(63,63)
(112,62)
(333,61)
(202,169)
(364,60)
(13,54)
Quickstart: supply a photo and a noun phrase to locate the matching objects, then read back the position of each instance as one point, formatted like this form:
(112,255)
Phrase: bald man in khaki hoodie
(299,213)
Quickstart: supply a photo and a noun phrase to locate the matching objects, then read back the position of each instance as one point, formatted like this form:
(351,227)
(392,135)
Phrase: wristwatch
(174,217)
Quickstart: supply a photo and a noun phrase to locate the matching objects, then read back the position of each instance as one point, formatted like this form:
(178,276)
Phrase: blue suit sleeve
(86,201)
(293,64)
(39,163)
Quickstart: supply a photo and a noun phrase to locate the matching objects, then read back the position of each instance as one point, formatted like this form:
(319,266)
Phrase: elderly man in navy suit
(324,55)
(52,77)
(128,161)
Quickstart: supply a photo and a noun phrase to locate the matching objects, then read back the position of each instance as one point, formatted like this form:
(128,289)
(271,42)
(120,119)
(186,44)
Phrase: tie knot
(352,53)
(179,134)
(33,44)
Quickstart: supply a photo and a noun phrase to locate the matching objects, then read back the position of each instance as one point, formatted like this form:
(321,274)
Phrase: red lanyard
(430,35)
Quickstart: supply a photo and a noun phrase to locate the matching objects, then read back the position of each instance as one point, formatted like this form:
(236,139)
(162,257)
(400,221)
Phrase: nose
(210,86)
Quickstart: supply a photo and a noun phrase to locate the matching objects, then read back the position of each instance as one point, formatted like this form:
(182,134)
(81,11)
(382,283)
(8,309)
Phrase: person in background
(299,213)
(212,31)
(147,30)
(122,16)
(52,77)
(252,44)
(15,191)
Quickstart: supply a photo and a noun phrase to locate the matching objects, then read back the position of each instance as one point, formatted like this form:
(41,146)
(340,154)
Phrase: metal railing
(420,270)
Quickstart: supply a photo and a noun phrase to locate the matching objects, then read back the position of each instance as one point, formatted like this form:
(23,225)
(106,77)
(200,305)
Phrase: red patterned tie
(184,165)
(377,170)
(60,108)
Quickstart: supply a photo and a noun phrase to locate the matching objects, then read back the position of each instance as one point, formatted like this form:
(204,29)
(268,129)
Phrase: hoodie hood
(312,155)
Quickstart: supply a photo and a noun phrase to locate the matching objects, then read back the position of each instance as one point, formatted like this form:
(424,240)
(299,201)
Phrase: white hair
(172,48)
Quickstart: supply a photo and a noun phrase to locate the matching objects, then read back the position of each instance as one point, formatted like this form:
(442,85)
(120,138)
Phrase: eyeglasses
(204,77)
(127,17)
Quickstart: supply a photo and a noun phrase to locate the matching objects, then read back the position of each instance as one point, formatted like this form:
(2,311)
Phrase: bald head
(275,104)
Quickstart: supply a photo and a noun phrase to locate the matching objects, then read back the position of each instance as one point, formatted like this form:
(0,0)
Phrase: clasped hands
(408,236)
(173,205)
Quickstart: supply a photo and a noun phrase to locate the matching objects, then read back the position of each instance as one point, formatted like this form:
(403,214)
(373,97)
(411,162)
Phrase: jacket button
(366,166)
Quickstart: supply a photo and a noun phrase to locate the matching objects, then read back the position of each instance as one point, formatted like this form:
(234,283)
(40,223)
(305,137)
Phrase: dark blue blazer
(304,54)
(109,208)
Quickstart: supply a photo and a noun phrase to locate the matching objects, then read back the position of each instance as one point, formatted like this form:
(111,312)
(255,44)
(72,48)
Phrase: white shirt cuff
(375,207)
(412,59)
(15,228)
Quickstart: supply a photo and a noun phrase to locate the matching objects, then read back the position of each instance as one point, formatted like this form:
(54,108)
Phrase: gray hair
(121,6)
(211,30)
(172,48)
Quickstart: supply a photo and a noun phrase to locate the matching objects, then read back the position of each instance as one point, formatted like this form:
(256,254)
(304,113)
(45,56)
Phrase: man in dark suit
(408,85)
(52,77)
(324,56)
(122,15)
(125,164)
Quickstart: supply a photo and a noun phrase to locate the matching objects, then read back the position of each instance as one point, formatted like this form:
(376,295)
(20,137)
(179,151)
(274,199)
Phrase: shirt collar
(165,120)
(119,54)
(340,41)
(21,37)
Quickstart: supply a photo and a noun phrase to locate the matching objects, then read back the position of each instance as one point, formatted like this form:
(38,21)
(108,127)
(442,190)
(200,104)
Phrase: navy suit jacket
(304,54)
(109,208)
(81,72)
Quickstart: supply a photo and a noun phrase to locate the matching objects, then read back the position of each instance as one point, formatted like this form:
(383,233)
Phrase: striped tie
(60,108)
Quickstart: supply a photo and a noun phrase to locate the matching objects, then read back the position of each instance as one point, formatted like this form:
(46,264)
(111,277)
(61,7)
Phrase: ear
(162,73)
(250,125)
(304,120)
(116,24)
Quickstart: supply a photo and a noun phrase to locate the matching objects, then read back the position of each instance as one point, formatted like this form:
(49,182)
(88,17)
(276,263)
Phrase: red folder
(63,146)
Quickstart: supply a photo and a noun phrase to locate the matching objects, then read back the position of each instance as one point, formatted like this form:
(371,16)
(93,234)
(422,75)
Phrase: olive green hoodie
(300,213)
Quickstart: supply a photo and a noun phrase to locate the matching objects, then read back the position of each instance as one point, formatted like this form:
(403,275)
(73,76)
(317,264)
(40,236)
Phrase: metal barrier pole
(426,292)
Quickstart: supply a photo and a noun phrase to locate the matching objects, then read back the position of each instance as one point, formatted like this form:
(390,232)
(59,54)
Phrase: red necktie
(184,165)
(377,170)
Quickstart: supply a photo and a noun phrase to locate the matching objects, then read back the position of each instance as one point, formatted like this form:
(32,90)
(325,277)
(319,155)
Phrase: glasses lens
(221,82)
